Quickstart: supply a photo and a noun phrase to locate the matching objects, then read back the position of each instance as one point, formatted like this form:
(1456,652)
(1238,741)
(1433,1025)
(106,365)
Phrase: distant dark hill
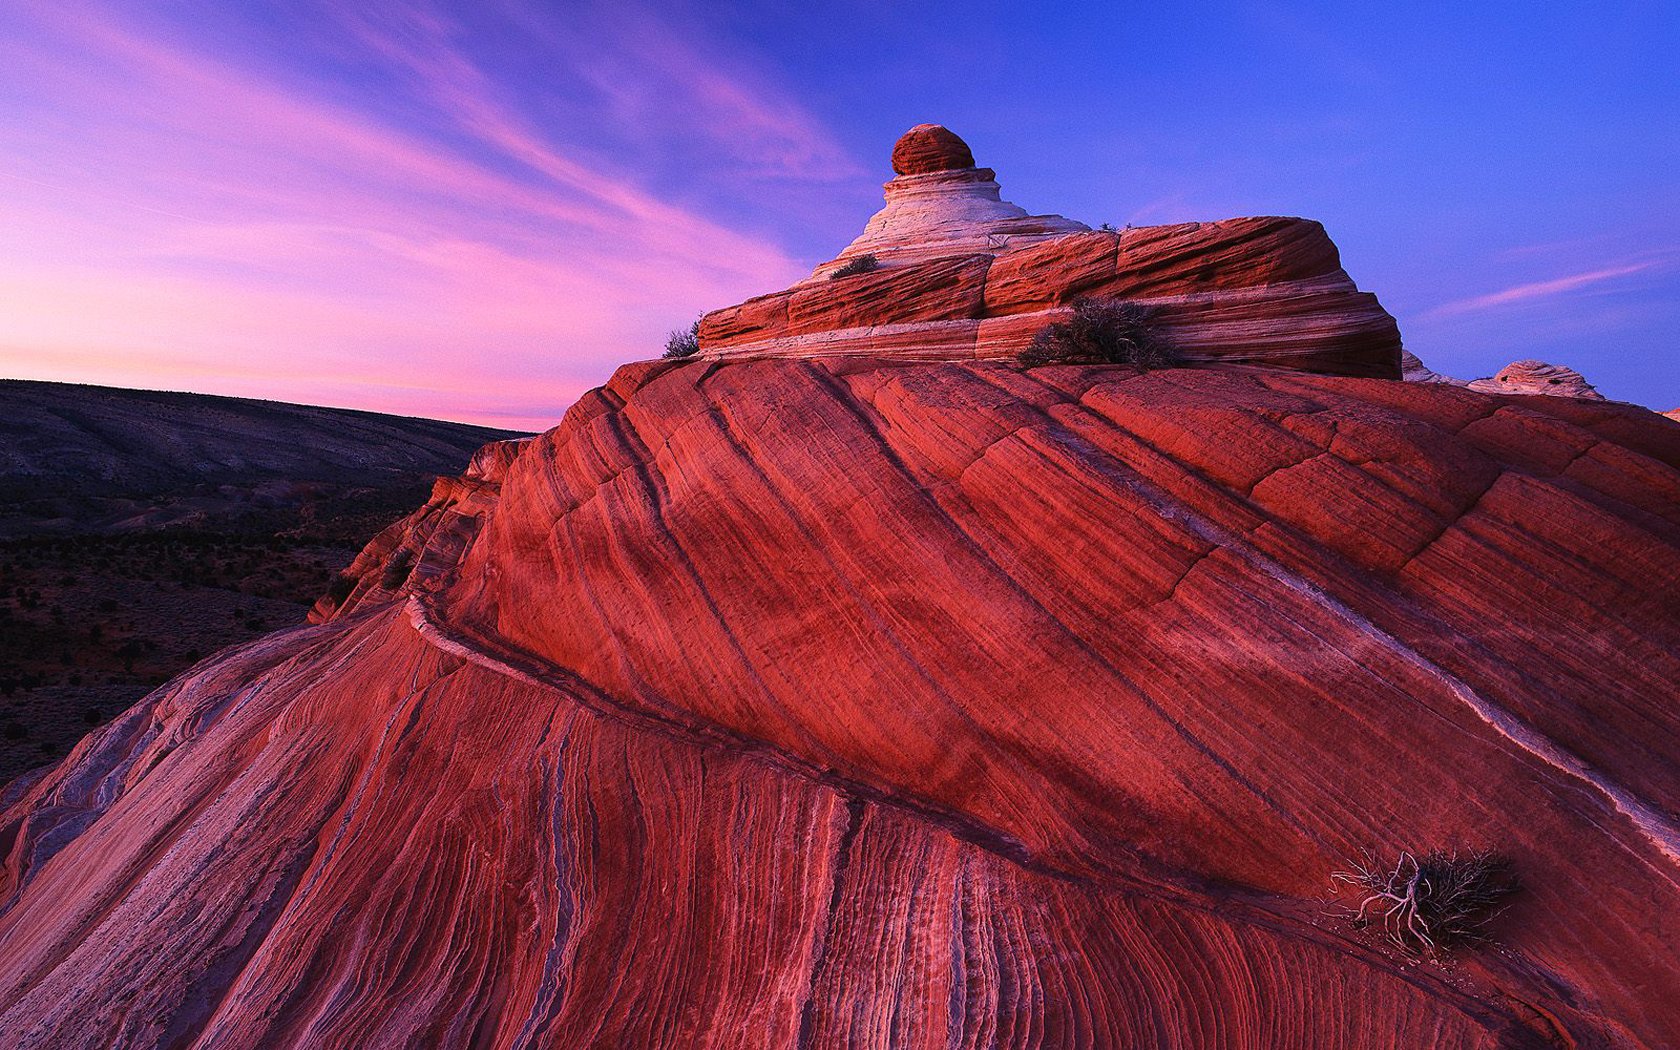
(142,531)
(79,458)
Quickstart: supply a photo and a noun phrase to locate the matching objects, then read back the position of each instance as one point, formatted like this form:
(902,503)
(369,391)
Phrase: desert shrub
(1431,903)
(861,264)
(1101,331)
(397,569)
(683,342)
(340,588)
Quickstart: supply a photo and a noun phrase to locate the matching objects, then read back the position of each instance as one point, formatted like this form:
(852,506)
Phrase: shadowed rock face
(849,702)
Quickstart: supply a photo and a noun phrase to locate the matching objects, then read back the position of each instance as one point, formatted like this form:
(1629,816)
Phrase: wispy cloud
(1557,286)
(179,215)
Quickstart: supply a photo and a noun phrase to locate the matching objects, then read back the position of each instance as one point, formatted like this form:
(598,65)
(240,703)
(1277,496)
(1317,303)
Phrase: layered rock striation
(1538,377)
(868,701)
(963,275)
(1413,370)
(755,684)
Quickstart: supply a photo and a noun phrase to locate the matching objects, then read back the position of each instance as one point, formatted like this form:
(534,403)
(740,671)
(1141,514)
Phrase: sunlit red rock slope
(863,702)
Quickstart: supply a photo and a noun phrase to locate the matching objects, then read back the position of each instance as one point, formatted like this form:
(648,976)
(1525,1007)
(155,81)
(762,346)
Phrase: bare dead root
(1432,903)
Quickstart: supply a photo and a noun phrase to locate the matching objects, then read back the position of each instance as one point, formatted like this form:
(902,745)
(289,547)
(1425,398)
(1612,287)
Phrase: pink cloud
(1537,290)
(173,218)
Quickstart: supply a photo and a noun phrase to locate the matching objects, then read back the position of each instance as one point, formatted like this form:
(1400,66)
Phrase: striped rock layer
(1538,377)
(1267,291)
(963,275)
(853,702)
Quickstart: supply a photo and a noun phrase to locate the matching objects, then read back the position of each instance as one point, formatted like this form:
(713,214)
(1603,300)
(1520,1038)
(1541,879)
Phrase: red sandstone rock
(1050,273)
(1266,290)
(862,703)
(427,543)
(946,290)
(927,148)
(941,206)
(850,698)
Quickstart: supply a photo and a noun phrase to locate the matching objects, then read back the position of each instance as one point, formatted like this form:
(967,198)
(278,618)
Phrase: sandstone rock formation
(941,206)
(1538,377)
(1413,370)
(853,701)
(966,276)
(928,148)
(426,543)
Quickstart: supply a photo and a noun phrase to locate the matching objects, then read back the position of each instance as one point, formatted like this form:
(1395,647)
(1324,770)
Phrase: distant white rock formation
(1413,370)
(1538,377)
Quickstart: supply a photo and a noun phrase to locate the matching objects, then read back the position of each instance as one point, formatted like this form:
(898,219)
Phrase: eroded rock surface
(964,275)
(1538,377)
(850,702)
(1413,370)
(842,687)
(927,148)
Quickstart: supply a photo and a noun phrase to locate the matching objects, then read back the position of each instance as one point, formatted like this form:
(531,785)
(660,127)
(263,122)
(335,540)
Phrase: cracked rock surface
(855,702)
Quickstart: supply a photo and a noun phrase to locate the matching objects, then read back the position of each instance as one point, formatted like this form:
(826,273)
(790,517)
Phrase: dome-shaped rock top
(928,148)
(1538,377)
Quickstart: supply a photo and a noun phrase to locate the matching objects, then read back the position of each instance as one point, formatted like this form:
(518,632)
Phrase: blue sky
(476,210)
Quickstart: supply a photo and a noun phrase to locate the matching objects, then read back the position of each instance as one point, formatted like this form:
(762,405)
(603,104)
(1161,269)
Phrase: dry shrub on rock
(1435,902)
(682,342)
(1102,331)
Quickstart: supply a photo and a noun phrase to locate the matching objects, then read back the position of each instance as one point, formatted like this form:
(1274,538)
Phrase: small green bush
(1101,331)
(683,342)
(861,264)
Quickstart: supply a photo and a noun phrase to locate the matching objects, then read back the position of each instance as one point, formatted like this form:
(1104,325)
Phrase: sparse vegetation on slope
(682,342)
(1102,331)
(861,264)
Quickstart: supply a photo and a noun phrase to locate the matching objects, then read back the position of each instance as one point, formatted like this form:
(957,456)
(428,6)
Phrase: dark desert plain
(530,525)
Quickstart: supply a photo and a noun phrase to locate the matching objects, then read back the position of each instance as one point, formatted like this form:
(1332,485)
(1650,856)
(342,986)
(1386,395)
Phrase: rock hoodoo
(941,206)
(1538,377)
(867,700)
(965,275)
(927,148)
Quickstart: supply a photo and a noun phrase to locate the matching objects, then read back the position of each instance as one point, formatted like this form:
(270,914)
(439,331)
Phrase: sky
(476,211)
